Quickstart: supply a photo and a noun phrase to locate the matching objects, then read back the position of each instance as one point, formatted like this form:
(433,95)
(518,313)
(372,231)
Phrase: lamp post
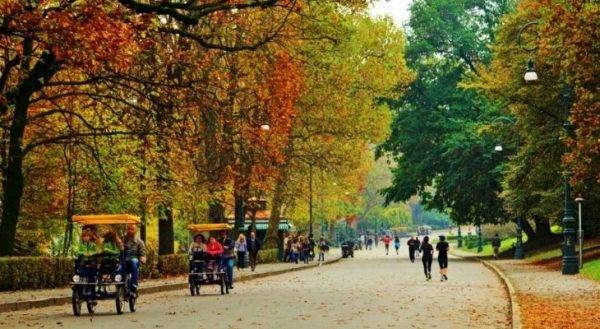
(519,253)
(569,261)
(479,238)
(459,237)
(579,201)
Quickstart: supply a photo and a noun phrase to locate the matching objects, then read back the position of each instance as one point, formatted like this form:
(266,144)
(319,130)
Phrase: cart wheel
(91,307)
(76,302)
(132,302)
(120,297)
(192,289)
(222,285)
(198,289)
(227,289)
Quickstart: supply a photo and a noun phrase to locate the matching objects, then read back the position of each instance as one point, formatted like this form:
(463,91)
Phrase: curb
(515,311)
(514,304)
(47,302)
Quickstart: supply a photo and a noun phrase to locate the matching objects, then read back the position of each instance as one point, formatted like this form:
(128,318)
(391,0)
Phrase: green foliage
(34,272)
(266,256)
(440,153)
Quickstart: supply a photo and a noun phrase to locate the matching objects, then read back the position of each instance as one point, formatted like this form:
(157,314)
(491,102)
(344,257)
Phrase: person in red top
(214,248)
(386,242)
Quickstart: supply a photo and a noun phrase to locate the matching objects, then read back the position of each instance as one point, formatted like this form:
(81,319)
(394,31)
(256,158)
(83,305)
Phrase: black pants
(240,259)
(443,261)
(411,254)
(427,265)
(253,256)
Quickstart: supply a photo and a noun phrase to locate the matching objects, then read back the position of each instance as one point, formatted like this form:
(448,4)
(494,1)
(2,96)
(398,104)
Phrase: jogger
(427,257)
(411,249)
(442,247)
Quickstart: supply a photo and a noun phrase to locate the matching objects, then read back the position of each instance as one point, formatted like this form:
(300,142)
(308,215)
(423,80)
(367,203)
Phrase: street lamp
(569,262)
(579,201)
(519,253)
(459,237)
(265,127)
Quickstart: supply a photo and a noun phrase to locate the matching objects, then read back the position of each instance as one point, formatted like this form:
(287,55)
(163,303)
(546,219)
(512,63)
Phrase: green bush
(34,272)
(266,256)
(19,273)
(175,264)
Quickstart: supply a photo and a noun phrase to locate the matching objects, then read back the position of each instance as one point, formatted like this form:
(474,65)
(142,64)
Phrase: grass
(505,245)
(591,270)
(555,252)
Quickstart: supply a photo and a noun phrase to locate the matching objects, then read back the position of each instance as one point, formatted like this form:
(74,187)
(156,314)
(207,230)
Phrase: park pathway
(370,291)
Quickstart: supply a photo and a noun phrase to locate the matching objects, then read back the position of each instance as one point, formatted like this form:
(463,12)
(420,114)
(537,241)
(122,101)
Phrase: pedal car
(101,276)
(205,269)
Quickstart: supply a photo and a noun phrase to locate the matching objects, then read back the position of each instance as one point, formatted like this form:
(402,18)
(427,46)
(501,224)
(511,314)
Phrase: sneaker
(445,277)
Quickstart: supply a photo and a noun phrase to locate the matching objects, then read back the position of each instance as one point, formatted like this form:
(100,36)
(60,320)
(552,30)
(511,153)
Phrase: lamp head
(530,75)
(265,127)
(498,148)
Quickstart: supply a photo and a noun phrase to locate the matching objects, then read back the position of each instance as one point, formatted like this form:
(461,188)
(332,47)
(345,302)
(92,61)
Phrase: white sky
(397,9)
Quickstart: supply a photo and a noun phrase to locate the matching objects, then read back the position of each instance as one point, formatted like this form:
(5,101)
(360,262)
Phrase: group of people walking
(301,248)
(427,250)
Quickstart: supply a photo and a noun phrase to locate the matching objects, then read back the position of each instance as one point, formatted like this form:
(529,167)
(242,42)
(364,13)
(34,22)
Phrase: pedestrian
(397,244)
(295,250)
(286,247)
(417,247)
(323,248)
(253,247)
(496,245)
(370,243)
(305,249)
(442,248)
(242,248)
(427,257)
(412,243)
(386,243)
(311,247)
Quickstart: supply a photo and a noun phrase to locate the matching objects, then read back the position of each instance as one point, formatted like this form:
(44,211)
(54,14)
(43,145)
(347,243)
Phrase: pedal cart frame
(200,272)
(105,286)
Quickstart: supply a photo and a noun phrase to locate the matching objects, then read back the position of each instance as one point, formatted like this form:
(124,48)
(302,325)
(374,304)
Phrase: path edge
(515,310)
(47,302)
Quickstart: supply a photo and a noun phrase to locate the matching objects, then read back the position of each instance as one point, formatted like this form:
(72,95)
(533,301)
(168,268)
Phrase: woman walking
(442,247)
(417,246)
(242,248)
(396,244)
(427,257)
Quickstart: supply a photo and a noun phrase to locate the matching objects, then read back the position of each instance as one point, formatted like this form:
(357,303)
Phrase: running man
(442,248)
(427,257)
(412,245)
(386,242)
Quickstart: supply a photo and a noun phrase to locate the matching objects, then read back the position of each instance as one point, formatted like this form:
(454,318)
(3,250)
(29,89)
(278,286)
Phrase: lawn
(505,244)
(591,270)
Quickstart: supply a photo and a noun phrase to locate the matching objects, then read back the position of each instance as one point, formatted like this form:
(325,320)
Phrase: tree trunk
(239,213)
(528,229)
(166,233)
(14,181)
(272,236)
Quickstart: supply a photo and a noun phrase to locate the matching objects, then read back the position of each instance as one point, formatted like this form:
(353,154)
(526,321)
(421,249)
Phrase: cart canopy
(209,227)
(106,219)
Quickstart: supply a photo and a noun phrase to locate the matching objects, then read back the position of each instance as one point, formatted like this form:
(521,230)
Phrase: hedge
(18,273)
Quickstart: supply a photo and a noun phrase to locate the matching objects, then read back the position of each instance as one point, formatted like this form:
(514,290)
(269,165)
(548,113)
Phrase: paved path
(369,291)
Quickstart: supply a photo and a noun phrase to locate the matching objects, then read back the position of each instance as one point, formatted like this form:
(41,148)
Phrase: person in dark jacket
(412,245)
(442,248)
(228,256)
(253,245)
(427,250)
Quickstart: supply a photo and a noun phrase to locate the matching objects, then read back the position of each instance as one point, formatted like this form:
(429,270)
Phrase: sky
(397,9)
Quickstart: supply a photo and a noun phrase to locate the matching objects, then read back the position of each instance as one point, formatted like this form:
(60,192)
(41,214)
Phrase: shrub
(18,273)
(174,264)
(266,256)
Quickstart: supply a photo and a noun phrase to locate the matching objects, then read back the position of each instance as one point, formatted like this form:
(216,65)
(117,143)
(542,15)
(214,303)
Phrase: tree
(440,152)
